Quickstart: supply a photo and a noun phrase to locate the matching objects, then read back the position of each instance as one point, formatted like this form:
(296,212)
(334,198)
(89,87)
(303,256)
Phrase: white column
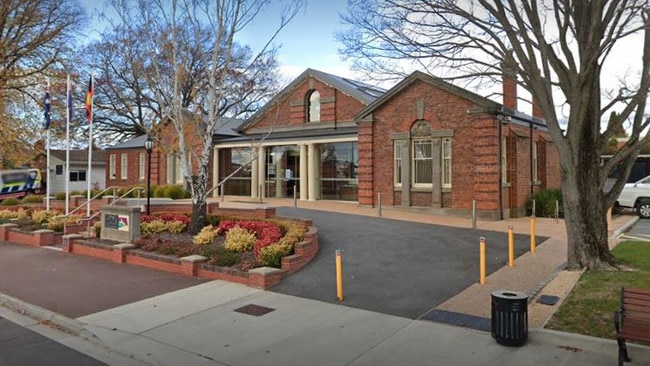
(279,174)
(311,170)
(303,172)
(254,176)
(261,170)
(215,172)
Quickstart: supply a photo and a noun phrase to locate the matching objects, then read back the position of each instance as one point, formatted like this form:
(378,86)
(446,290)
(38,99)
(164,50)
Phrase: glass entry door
(282,171)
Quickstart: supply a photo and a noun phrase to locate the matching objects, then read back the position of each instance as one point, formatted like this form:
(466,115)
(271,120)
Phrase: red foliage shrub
(267,233)
(166,218)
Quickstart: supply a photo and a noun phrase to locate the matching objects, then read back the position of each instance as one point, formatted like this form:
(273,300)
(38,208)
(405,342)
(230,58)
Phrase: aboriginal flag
(89,101)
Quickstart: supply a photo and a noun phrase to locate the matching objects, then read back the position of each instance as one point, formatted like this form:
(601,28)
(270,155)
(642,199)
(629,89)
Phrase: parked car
(637,196)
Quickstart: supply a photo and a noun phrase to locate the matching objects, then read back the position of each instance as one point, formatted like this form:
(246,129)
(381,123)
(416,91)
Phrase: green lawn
(589,309)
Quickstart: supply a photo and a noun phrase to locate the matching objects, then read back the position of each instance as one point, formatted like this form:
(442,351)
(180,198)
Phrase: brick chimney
(509,75)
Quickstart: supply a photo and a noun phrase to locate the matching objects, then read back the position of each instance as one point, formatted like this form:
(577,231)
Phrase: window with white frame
(313,107)
(141,166)
(124,173)
(422,163)
(398,163)
(174,169)
(111,167)
(446,163)
(534,161)
(504,159)
(179,170)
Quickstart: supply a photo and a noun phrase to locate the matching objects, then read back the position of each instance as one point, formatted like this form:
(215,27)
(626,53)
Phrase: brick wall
(475,153)
(291,110)
(133,168)
(474,141)
(158,168)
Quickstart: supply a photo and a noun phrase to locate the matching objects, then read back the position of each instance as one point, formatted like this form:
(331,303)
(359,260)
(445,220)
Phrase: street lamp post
(148,145)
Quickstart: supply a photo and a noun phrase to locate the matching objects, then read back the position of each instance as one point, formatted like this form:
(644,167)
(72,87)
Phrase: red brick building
(423,144)
(450,147)
(127,163)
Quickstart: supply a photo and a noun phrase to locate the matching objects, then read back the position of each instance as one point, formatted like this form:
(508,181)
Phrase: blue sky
(307,42)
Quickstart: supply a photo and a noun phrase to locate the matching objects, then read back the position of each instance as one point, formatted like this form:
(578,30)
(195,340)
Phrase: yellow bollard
(339,276)
(482,261)
(532,234)
(511,247)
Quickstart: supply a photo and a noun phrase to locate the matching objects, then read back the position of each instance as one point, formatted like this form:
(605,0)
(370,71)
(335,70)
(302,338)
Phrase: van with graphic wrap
(19,183)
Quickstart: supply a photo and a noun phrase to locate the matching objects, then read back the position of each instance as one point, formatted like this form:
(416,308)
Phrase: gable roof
(81,156)
(437,82)
(134,143)
(226,128)
(365,93)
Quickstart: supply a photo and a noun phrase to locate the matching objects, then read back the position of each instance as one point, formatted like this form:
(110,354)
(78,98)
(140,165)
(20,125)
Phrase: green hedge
(545,203)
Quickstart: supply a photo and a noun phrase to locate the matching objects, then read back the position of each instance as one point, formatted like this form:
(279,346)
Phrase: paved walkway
(531,273)
(212,323)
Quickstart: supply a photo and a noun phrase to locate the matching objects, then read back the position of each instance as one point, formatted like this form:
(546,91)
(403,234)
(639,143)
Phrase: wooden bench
(632,320)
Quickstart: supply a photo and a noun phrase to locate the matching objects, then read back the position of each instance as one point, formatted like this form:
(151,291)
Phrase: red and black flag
(89,101)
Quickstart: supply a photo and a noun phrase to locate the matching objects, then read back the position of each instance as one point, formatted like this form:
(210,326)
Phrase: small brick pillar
(4,230)
(68,242)
(190,264)
(265,277)
(119,252)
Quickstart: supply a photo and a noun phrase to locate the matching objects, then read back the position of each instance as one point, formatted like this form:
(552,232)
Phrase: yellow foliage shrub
(176,227)
(205,236)
(239,239)
(272,254)
(43,216)
(153,227)
(7,214)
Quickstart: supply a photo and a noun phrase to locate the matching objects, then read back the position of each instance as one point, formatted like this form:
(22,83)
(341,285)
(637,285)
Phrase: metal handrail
(98,195)
(90,218)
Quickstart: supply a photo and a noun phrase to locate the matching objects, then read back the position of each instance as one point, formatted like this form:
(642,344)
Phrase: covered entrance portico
(314,169)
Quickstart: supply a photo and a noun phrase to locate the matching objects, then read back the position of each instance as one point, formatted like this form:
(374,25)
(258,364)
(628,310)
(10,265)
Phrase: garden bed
(250,248)
(193,264)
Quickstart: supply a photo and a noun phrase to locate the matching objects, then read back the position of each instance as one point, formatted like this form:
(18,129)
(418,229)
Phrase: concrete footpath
(221,323)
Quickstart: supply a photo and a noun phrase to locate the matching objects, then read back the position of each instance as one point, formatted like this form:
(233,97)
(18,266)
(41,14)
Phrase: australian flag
(46,102)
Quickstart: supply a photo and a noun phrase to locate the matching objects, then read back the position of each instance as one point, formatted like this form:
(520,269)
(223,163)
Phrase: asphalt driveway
(394,267)
(75,285)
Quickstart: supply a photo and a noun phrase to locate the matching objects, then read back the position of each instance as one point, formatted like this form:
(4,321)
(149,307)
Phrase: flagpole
(90,141)
(67,147)
(47,173)
(47,142)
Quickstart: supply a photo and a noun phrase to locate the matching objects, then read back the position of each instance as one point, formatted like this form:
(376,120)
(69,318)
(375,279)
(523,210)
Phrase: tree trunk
(199,205)
(586,222)
(582,189)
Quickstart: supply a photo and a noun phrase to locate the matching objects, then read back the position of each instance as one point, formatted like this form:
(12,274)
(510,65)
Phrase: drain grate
(458,319)
(548,299)
(255,310)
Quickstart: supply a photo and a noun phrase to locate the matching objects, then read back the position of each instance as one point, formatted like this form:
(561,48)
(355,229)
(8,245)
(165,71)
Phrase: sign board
(123,222)
(120,223)
(111,221)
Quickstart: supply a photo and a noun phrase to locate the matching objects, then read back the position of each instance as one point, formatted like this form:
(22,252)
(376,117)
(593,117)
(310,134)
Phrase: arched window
(313,106)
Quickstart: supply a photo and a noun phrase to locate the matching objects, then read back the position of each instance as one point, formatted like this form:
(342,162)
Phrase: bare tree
(559,48)
(229,82)
(36,42)
(126,104)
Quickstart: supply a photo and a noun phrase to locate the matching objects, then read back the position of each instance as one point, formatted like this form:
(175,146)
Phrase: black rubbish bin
(510,317)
